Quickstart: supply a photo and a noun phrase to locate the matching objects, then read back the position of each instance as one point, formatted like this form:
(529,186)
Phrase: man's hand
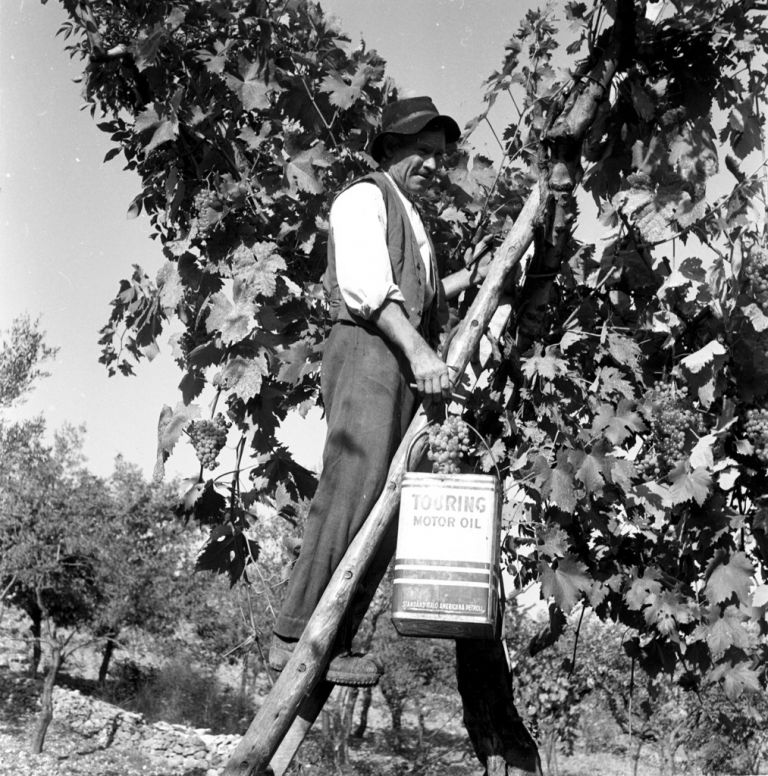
(429,370)
(433,380)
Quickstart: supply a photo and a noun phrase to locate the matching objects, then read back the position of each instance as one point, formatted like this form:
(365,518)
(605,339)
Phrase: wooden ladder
(299,693)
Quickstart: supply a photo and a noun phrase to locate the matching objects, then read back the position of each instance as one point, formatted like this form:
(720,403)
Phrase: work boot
(346,668)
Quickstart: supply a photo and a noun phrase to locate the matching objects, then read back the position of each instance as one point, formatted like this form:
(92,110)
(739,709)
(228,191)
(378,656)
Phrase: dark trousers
(369,406)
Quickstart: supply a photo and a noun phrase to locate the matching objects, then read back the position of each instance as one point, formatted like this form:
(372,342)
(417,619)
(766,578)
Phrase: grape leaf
(546,365)
(296,362)
(201,501)
(736,679)
(233,321)
(744,128)
(724,579)
(227,551)
(760,596)
(562,491)
(163,127)
(570,338)
(687,484)
(756,317)
(474,181)
(564,583)
(589,469)
(146,48)
(342,94)
(174,424)
(611,381)
(553,543)
(191,385)
(489,460)
(616,424)
(666,610)
(702,455)
(242,376)
(723,631)
(643,589)
(300,170)
(703,357)
(256,269)
(624,350)
(250,87)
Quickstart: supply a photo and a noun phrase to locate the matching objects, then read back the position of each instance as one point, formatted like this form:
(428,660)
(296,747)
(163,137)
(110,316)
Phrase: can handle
(409,450)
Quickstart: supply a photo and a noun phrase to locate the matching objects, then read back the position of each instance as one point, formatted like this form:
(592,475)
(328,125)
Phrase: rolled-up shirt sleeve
(358,221)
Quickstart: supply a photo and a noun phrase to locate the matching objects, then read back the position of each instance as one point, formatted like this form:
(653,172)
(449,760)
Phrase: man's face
(413,165)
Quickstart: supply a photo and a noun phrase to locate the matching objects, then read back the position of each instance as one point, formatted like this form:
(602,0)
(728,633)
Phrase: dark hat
(410,116)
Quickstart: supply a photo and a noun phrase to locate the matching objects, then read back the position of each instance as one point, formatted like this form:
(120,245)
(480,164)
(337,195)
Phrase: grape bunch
(672,422)
(756,274)
(756,429)
(209,209)
(208,437)
(448,444)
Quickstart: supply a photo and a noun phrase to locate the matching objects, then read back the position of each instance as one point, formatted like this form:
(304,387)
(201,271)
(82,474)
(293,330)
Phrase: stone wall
(182,750)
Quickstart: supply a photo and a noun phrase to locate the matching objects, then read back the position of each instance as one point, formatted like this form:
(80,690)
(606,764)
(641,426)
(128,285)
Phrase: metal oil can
(446,581)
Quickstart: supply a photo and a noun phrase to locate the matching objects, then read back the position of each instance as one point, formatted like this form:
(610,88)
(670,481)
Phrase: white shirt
(358,222)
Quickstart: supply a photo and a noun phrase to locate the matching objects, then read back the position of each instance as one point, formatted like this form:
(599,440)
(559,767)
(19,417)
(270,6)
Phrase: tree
(627,396)
(22,353)
(48,548)
(137,569)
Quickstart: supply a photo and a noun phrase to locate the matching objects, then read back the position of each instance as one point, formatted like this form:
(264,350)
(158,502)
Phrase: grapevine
(448,444)
(208,438)
(672,422)
(756,428)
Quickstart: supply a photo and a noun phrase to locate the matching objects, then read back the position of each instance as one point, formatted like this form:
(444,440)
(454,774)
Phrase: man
(388,304)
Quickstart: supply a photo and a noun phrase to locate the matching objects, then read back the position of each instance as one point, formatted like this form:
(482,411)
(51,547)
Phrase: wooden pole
(313,651)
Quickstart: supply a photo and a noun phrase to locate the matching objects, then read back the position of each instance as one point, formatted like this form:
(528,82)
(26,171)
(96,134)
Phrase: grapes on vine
(208,209)
(756,275)
(756,430)
(449,443)
(673,423)
(208,438)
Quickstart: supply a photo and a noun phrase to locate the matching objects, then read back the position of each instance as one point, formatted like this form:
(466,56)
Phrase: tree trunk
(501,741)
(550,753)
(365,706)
(666,760)
(46,701)
(242,700)
(35,629)
(106,657)
(636,758)
(348,710)
(394,703)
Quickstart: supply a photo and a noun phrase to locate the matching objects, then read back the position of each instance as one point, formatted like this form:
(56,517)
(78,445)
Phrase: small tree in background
(52,510)
(23,352)
(140,563)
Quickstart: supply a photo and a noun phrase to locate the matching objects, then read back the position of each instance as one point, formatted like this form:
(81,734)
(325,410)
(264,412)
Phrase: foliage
(241,119)
(49,505)
(22,352)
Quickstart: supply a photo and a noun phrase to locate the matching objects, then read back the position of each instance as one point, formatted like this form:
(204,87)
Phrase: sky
(65,240)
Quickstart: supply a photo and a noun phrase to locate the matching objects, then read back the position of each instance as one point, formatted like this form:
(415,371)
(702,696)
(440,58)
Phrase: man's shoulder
(363,192)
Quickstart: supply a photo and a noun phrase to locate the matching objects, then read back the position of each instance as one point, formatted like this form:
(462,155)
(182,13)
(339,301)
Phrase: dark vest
(407,268)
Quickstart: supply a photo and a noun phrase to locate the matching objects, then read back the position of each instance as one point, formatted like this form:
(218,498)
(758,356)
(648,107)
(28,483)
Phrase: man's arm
(477,260)
(429,370)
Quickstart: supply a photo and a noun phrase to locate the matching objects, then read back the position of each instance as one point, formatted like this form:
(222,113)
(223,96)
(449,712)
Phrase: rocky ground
(92,738)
